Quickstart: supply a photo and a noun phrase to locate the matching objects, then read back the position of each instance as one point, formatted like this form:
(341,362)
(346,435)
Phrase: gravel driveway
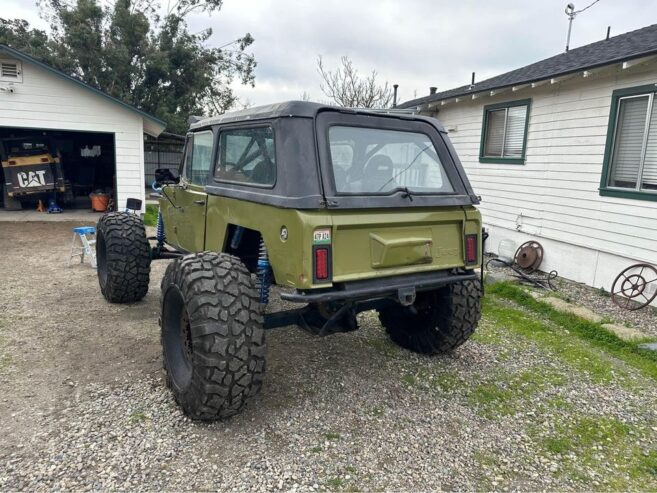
(524,405)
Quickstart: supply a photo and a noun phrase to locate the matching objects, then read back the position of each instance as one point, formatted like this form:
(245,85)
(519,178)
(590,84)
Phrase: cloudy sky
(414,43)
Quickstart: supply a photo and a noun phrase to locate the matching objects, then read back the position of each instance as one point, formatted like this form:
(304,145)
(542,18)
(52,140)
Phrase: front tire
(213,339)
(438,322)
(123,257)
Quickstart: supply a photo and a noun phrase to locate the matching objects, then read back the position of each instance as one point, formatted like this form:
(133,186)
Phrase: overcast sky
(414,43)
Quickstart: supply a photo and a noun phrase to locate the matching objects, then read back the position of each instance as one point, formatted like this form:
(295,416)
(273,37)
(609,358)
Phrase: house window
(504,132)
(630,163)
(10,71)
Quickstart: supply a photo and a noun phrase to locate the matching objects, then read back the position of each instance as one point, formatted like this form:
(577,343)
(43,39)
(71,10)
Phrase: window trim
(618,192)
(217,155)
(482,145)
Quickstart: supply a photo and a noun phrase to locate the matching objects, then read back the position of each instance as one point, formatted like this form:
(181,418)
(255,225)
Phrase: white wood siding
(554,196)
(46,101)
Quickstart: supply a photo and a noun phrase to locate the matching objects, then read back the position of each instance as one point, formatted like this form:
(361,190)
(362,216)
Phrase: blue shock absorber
(264,273)
(159,232)
(237,238)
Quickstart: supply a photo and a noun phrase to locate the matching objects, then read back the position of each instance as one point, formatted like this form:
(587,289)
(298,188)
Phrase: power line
(587,7)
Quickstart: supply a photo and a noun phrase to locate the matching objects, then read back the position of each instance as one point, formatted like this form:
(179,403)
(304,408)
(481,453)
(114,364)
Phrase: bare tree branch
(346,87)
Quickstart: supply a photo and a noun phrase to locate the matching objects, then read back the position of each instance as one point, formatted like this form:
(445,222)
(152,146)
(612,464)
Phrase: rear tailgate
(385,243)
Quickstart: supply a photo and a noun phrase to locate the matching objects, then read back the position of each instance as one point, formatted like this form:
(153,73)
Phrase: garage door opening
(52,166)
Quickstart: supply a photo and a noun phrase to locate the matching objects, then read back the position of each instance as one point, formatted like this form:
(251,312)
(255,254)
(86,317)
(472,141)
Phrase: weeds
(150,217)
(592,333)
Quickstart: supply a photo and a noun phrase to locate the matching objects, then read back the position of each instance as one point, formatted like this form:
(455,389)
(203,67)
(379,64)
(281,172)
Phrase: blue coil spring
(159,232)
(264,273)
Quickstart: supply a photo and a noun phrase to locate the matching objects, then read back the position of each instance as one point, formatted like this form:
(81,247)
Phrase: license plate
(322,236)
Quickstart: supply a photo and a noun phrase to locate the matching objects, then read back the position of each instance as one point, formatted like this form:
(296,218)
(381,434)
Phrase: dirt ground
(62,335)
(84,405)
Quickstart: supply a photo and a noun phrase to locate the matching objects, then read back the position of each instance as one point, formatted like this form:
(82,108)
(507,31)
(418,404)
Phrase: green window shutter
(630,130)
(495,133)
(515,131)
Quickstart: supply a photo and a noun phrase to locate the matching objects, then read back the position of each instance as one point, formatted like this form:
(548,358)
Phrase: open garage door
(52,165)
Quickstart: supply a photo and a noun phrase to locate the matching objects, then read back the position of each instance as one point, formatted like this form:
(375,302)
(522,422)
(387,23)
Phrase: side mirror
(164,176)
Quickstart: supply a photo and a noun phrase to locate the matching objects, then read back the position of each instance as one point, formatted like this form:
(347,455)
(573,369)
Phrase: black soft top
(300,109)
(304,176)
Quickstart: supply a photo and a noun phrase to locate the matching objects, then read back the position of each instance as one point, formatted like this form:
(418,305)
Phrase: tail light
(322,267)
(471,244)
(45,160)
(11,161)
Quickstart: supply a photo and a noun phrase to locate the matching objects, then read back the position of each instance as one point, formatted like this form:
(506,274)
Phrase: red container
(99,201)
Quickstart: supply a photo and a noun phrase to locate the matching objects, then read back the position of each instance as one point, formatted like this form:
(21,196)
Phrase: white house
(101,138)
(564,152)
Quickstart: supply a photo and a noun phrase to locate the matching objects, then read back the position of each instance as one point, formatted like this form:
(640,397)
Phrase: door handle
(199,202)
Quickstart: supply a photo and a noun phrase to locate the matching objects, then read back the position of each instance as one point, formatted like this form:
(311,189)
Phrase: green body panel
(388,242)
(185,226)
(365,243)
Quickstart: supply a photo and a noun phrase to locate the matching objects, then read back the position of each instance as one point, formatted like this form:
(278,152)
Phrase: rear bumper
(384,287)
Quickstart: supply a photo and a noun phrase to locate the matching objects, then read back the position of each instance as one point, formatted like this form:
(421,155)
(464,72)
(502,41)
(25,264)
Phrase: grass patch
(409,379)
(593,333)
(376,412)
(608,449)
(572,351)
(150,217)
(331,436)
(138,417)
(585,434)
(447,382)
(316,450)
(384,346)
(335,483)
(487,333)
(646,465)
(492,399)
(504,394)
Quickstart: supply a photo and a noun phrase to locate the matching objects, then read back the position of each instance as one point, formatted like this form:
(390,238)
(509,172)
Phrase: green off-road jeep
(344,210)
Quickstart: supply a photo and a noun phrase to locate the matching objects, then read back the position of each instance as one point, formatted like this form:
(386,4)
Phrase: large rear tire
(438,322)
(123,256)
(213,339)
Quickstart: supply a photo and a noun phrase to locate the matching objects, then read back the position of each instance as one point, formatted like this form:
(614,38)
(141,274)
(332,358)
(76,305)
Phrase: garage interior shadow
(88,163)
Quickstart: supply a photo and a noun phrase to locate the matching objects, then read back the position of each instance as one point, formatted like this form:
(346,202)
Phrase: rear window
(380,161)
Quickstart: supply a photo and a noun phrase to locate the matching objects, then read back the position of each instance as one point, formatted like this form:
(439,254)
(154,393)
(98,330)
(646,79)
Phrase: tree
(132,52)
(346,87)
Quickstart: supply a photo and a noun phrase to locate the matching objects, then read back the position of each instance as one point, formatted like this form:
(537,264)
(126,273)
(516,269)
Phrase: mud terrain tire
(213,339)
(123,256)
(445,318)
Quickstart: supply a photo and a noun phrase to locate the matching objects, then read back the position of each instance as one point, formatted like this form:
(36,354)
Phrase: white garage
(94,142)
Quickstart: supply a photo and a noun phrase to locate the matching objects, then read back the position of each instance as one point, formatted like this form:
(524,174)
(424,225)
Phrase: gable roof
(634,44)
(27,58)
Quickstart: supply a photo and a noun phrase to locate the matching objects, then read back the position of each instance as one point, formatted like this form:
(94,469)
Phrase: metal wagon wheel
(529,256)
(635,287)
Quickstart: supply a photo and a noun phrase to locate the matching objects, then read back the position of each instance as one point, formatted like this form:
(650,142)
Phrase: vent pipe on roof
(608,32)
(472,83)
(432,90)
(394,95)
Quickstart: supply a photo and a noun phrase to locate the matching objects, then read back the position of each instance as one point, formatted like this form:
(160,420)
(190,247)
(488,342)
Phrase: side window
(504,133)
(634,155)
(247,155)
(198,157)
